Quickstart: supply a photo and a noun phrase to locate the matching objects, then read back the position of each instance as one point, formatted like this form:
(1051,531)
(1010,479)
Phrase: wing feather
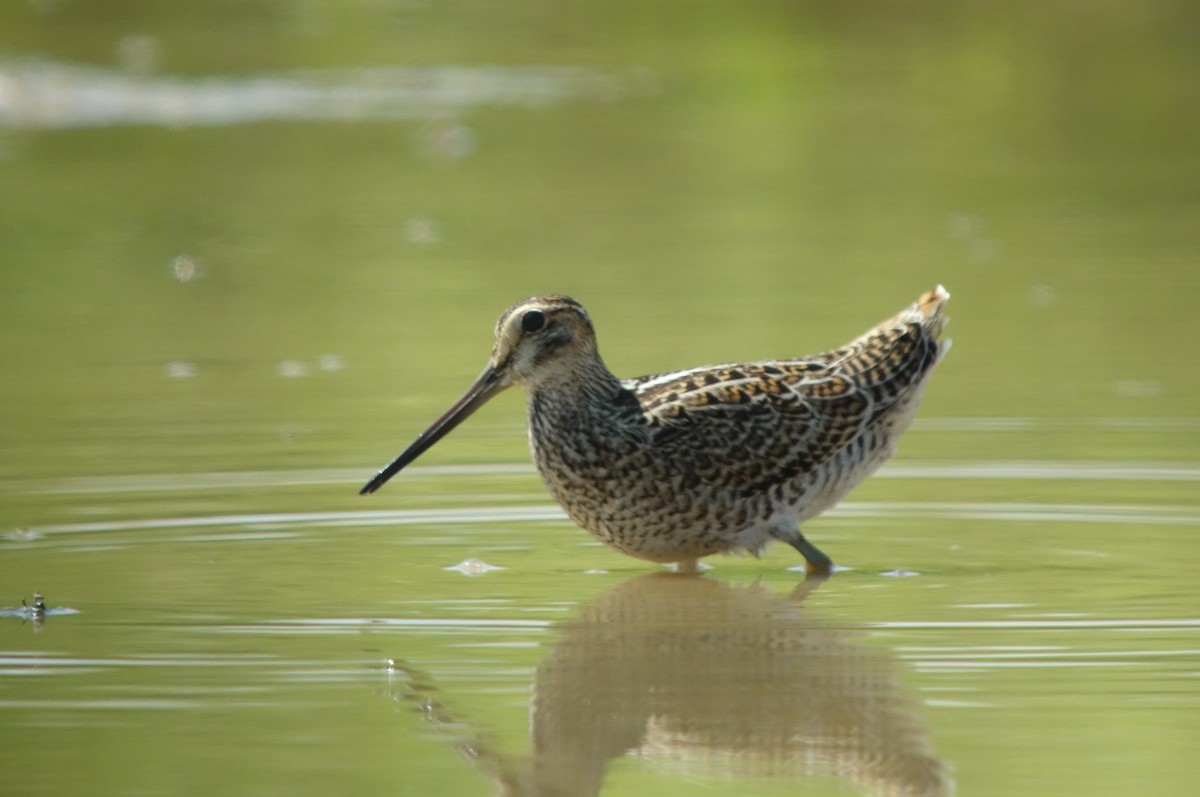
(752,426)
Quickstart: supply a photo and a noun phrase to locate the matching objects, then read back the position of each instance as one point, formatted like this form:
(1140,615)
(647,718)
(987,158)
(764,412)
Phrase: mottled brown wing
(757,425)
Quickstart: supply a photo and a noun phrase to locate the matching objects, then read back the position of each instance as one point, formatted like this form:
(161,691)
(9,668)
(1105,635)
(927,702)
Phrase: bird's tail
(931,309)
(903,347)
(928,312)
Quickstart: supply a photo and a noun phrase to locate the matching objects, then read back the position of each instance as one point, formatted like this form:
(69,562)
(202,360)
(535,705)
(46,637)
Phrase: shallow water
(214,329)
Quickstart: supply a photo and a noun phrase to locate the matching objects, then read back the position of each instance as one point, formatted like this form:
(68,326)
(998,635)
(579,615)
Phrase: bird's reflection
(712,677)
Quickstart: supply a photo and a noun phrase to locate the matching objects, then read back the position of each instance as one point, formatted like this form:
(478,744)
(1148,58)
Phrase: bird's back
(786,417)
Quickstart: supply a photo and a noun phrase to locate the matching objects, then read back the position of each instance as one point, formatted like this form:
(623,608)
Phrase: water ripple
(981,470)
(1142,514)
(45,94)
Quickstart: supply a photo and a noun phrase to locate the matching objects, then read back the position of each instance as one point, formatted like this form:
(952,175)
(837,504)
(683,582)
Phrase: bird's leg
(687,567)
(819,569)
(816,563)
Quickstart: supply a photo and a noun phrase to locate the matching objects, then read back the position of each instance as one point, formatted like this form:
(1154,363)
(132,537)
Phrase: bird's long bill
(487,385)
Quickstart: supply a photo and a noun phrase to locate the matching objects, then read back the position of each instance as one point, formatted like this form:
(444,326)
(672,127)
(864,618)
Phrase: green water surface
(217,320)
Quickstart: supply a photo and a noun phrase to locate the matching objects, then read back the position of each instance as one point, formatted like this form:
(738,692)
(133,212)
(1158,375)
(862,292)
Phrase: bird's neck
(587,393)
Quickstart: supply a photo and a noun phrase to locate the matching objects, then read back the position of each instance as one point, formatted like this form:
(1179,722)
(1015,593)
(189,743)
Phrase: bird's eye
(533,321)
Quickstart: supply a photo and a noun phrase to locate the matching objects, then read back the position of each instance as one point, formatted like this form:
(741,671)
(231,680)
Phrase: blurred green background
(264,243)
(750,180)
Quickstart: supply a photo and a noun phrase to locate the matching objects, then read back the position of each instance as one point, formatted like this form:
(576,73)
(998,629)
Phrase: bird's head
(542,339)
(538,341)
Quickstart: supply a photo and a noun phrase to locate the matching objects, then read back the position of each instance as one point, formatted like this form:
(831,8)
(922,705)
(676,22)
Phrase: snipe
(722,458)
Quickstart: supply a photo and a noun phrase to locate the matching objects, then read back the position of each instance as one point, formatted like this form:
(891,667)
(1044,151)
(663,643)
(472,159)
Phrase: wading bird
(718,459)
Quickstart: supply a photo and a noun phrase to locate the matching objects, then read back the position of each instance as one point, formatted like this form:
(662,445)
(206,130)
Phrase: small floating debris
(37,612)
(900,572)
(423,231)
(23,535)
(180,369)
(595,571)
(804,569)
(473,567)
(293,369)
(186,268)
(331,362)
